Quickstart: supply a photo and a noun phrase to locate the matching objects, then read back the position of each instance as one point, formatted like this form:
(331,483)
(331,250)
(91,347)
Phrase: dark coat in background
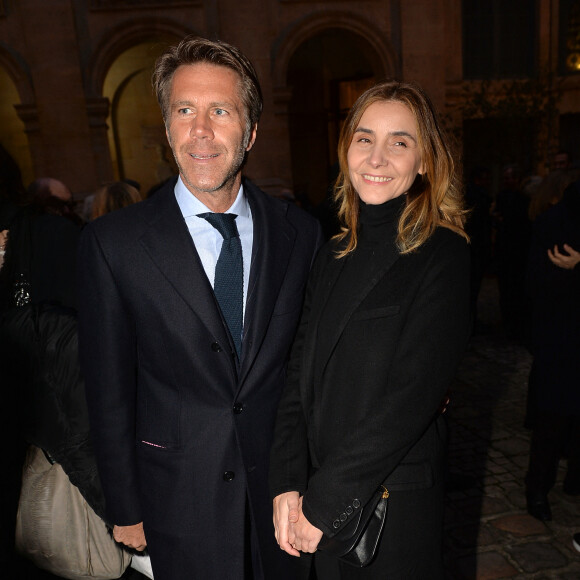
(44,247)
(41,375)
(362,405)
(182,435)
(43,396)
(555,298)
(512,246)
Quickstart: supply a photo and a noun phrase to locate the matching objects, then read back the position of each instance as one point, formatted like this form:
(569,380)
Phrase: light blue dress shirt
(207,240)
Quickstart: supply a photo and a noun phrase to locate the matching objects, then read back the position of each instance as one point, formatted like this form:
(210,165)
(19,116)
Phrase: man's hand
(3,240)
(285,513)
(131,536)
(302,535)
(566,261)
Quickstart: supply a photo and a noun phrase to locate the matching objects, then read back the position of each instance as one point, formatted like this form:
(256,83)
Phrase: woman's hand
(303,535)
(567,262)
(286,506)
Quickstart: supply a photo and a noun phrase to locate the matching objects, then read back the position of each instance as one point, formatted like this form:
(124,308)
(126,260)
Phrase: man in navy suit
(181,415)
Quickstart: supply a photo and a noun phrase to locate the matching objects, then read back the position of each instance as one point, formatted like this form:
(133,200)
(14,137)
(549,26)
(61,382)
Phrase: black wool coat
(365,409)
(182,435)
(555,300)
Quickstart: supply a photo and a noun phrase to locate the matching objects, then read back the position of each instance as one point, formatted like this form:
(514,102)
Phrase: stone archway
(136,132)
(126,120)
(319,68)
(18,115)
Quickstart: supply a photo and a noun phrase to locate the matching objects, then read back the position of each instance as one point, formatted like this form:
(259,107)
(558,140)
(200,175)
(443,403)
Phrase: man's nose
(201,127)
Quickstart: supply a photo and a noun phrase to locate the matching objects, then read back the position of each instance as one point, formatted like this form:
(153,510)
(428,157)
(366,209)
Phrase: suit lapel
(271,250)
(169,245)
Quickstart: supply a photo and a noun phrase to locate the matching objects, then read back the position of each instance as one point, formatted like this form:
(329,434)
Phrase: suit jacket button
(238,408)
(355,503)
(216,347)
(349,510)
(336,524)
(229,476)
(343,517)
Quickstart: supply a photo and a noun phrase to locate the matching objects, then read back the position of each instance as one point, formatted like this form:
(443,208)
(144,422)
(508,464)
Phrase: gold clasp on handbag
(385,493)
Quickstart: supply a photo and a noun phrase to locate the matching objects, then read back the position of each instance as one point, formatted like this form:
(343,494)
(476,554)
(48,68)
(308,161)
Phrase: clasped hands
(294,533)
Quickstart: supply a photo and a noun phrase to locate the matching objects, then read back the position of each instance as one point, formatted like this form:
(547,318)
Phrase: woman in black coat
(384,325)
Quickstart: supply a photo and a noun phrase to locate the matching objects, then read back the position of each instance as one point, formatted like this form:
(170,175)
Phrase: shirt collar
(191,206)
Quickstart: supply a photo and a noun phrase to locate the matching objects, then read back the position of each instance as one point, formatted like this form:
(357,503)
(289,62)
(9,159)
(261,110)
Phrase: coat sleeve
(429,348)
(289,462)
(107,344)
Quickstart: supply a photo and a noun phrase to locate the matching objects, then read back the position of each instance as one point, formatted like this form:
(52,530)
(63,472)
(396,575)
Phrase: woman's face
(384,157)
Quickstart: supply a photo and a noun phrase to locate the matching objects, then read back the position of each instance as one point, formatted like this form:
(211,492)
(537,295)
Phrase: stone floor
(489,534)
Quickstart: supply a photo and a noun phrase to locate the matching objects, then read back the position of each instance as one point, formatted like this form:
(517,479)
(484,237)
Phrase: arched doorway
(326,73)
(12,135)
(137,141)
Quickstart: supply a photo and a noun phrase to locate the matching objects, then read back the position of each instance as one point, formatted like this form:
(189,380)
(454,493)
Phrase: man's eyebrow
(186,103)
(180,103)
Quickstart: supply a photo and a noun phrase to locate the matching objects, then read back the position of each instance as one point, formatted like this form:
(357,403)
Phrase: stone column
(97,112)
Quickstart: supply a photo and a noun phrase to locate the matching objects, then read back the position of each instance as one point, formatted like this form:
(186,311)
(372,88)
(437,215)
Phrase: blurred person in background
(46,392)
(554,396)
(114,196)
(478,227)
(550,190)
(561,161)
(51,196)
(512,242)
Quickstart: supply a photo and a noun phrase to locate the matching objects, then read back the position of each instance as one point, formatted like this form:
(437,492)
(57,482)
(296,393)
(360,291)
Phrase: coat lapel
(170,247)
(271,250)
(327,281)
(361,287)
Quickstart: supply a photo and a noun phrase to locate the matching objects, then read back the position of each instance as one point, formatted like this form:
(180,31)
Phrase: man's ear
(252,137)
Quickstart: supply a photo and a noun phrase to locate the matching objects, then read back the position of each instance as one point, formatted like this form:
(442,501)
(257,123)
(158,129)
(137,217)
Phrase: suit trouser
(553,436)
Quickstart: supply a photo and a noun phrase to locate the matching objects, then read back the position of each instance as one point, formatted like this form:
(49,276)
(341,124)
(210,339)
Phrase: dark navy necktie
(228,283)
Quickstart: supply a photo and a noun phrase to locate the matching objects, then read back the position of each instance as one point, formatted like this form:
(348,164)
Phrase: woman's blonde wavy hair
(435,198)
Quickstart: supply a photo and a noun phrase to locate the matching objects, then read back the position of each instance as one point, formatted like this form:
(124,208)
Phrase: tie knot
(224,223)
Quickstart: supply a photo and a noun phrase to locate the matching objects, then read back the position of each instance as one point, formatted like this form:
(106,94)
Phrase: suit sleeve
(428,351)
(107,344)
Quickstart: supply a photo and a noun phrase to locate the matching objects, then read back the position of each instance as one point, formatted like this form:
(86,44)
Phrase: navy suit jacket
(182,432)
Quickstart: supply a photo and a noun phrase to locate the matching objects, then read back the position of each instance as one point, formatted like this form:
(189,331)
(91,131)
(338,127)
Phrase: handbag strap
(20,257)
(49,457)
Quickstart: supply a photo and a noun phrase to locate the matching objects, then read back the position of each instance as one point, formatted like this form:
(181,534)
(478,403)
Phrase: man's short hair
(193,50)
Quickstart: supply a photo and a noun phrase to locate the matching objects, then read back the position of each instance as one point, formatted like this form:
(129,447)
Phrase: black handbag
(356,542)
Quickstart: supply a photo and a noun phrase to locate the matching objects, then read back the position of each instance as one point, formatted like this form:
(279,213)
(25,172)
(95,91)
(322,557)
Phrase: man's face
(59,189)
(206,129)
(510,179)
(561,161)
